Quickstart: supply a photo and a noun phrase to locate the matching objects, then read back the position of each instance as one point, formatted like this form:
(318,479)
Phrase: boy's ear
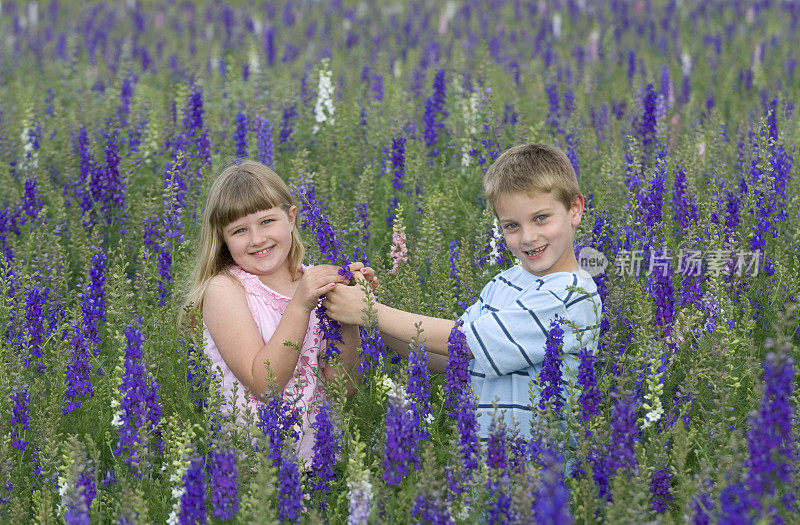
(576,210)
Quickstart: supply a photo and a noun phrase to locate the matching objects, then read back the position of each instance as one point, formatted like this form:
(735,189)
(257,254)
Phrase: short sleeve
(513,338)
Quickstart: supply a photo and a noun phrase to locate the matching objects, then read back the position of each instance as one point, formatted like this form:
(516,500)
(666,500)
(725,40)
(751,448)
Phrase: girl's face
(259,243)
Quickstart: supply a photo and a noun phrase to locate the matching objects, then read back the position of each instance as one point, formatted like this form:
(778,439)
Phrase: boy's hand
(344,304)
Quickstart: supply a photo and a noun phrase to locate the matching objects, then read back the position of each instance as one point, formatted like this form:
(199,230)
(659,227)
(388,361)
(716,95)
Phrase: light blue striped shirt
(506,330)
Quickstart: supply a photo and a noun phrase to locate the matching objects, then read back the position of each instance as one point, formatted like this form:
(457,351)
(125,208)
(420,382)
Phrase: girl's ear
(292,215)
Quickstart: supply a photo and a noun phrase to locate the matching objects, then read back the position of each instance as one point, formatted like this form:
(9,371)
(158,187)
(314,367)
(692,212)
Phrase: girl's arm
(234,331)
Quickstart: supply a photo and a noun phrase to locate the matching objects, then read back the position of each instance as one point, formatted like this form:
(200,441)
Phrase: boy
(535,196)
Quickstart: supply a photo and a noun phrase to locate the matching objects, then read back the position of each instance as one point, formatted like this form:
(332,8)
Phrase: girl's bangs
(242,197)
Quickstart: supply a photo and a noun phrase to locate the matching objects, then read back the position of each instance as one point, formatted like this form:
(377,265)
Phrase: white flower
(557,26)
(323,109)
(494,244)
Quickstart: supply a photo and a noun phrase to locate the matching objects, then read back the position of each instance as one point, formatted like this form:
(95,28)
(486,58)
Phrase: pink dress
(267,307)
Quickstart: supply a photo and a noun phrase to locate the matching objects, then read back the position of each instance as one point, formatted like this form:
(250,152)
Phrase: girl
(257,299)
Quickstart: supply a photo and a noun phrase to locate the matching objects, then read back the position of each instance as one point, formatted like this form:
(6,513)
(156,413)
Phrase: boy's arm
(345,303)
(436,362)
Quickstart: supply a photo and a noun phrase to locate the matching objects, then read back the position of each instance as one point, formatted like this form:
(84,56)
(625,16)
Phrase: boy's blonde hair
(532,168)
(241,189)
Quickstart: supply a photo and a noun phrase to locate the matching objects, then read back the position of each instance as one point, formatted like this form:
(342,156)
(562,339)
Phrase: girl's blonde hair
(244,188)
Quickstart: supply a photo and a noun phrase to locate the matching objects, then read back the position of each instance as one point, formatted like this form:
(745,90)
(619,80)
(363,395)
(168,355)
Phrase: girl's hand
(316,282)
(367,272)
(344,304)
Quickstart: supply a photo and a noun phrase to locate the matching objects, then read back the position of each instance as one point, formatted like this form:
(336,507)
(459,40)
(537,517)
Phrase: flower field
(679,118)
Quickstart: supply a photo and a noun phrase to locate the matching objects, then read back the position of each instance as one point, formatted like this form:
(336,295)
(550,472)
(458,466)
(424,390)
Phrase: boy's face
(538,230)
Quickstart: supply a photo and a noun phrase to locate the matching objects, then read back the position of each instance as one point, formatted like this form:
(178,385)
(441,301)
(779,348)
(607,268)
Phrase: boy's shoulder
(521,279)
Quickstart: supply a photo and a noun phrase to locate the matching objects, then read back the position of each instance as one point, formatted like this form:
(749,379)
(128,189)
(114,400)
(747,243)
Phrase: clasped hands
(345,303)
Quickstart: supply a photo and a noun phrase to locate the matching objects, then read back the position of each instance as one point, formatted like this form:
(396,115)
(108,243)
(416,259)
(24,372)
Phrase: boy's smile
(538,230)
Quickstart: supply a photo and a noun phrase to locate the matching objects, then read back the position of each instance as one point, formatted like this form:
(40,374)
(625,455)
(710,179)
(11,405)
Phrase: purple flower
(371,349)
(467,425)
(660,489)
(398,161)
(125,96)
(550,374)
(277,421)
(572,154)
(377,87)
(93,305)
(435,113)
(428,508)
(621,452)
(31,202)
(590,397)
(239,135)
(553,108)
(733,506)
(769,440)
(35,299)
(400,443)
(683,203)
(551,504)
(76,375)
(326,447)
(140,409)
(110,190)
(290,492)
(224,487)
(193,500)
(264,142)
(457,379)
(703,508)
(285,135)
(20,414)
(646,123)
(497,485)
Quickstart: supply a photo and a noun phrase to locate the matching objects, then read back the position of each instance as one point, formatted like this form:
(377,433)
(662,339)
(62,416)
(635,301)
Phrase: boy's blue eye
(510,226)
(540,218)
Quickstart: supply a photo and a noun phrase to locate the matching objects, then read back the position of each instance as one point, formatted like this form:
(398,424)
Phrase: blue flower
(551,504)
(400,444)
(326,447)
(76,375)
(550,375)
(20,414)
(660,489)
(264,142)
(193,500)
(239,135)
(290,491)
(590,397)
(224,487)
(769,440)
(622,453)
(457,379)
(435,113)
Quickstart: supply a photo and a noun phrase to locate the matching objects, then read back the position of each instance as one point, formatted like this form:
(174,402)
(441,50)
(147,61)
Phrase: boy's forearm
(400,325)
(349,356)
(436,362)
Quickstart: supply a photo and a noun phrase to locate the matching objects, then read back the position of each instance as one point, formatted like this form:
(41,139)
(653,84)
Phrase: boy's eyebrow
(538,212)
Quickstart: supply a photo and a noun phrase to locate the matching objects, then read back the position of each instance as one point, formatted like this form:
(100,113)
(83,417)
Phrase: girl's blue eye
(239,230)
(266,221)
